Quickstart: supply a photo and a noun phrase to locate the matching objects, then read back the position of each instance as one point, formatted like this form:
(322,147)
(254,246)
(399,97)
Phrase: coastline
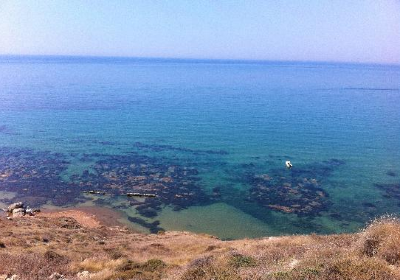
(223,176)
(79,243)
(88,216)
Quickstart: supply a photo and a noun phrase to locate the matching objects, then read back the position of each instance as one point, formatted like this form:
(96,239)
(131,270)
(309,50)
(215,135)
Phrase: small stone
(56,276)
(14,277)
(28,211)
(19,212)
(293,263)
(83,275)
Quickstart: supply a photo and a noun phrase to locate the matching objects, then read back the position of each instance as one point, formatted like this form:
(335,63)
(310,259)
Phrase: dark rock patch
(38,178)
(36,175)
(298,190)
(369,205)
(163,148)
(170,184)
(391,190)
(153,227)
(336,216)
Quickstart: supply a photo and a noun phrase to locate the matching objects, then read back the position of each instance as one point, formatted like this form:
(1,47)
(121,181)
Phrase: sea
(208,140)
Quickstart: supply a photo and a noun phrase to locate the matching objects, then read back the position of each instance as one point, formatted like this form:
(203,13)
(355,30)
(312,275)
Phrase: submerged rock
(298,191)
(141,194)
(37,177)
(152,227)
(391,190)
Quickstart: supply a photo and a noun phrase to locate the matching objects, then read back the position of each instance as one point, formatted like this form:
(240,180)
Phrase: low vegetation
(38,247)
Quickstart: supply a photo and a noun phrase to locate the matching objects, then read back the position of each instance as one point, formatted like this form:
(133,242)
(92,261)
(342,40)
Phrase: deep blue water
(231,124)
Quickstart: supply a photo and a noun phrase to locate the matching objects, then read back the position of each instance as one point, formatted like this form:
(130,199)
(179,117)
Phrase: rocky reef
(35,176)
(40,177)
(297,190)
(170,184)
(148,178)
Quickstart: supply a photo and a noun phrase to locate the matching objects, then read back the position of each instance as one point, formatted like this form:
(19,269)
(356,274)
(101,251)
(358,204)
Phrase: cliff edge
(74,245)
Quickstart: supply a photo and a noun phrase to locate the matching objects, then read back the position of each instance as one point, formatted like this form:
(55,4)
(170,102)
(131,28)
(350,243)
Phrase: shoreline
(89,216)
(78,245)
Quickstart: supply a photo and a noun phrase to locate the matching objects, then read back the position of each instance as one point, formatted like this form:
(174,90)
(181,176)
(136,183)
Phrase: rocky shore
(75,244)
(18,209)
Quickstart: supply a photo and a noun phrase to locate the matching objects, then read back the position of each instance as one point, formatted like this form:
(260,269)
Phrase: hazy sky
(318,30)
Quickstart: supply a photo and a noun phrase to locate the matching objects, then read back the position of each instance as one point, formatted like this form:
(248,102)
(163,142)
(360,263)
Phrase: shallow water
(209,138)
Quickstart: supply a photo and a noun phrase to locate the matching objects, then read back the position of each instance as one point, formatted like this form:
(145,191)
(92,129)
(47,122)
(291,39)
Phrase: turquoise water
(227,127)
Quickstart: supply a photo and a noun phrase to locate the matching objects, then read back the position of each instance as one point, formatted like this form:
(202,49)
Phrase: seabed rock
(141,194)
(95,192)
(297,191)
(39,175)
(152,227)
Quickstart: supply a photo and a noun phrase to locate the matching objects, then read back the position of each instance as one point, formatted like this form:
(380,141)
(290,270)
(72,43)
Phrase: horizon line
(199,60)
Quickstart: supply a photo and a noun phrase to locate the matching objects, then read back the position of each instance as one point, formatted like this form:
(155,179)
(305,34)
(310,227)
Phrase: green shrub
(239,260)
(153,265)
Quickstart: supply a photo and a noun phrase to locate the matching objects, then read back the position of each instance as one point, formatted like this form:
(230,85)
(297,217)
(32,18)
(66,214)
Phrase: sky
(361,31)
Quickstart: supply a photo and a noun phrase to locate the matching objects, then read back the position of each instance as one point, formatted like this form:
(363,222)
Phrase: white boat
(288,164)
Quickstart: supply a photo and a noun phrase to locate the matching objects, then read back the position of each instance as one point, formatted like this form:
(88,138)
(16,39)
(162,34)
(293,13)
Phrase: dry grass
(381,239)
(33,265)
(34,248)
